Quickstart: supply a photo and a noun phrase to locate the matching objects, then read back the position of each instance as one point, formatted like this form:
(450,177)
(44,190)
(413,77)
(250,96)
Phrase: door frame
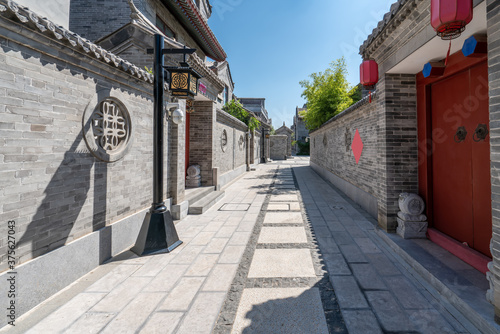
(456,64)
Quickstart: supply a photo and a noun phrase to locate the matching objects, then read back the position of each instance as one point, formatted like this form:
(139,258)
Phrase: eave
(190,17)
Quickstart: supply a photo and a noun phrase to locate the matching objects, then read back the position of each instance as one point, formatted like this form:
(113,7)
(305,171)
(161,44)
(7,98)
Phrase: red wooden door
(461,169)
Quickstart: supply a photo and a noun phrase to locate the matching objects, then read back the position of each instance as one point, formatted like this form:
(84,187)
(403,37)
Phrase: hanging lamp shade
(449,17)
(368,73)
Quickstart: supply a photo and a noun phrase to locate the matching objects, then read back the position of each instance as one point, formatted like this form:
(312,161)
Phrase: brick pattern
(201,135)
(337,156)
(388,129)
(397,143)
(53,188)
(234,155)
(278,147)
(493,24)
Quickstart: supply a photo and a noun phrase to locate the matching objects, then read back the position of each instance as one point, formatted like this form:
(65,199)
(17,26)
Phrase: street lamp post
(158,233)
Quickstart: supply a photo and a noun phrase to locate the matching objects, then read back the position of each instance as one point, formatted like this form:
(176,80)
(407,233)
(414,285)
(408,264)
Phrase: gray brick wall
(201,134)
(336,155)
(233,155)
(54,189)
(493,22)
(278,145)
(397,143)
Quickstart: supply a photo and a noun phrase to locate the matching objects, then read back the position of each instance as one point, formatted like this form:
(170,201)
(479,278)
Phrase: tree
(235,108)
(327,94)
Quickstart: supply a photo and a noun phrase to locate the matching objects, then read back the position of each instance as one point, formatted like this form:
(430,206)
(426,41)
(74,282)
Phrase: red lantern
(368,73)
(449,17)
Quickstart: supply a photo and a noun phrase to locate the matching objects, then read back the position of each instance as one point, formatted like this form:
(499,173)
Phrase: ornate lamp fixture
(368,75)
(183,81)
(158,233)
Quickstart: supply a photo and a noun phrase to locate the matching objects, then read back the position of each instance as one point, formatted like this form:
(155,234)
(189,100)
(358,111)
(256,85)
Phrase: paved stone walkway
(283,252)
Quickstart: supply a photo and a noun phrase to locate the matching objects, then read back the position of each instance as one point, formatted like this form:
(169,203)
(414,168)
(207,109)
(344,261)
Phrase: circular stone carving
(223,140)
(107,129)
(271,144)
(194,170)
(411,204)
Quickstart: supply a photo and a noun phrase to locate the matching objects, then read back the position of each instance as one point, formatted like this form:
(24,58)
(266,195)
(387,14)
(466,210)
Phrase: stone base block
(180,211)
(411,230)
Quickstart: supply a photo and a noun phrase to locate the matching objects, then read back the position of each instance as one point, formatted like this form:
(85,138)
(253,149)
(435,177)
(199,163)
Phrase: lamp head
(177,116)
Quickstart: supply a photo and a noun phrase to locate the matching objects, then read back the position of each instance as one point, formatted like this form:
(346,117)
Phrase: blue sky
(274,44)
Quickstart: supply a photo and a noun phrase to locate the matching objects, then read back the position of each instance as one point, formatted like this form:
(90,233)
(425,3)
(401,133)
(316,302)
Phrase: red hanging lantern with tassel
(368,75)
(449,18)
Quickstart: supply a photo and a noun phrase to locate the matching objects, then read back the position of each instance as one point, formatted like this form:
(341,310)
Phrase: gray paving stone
(367,277)
(154,266)
(284,198)
(226,231)
(182,294)
(279,206)
(119,297)
(389,313)
(67,314)
(220,278)
(280,310)
(89,323)
(239,238)
(162,323)
(114,278)
(281,263)
(202,265)
(343,238)
(328,245)
(361,322)
(336,264)
(382,264)
(430,321)
(167,278)
(367,246)
(202,239)
(214,226)
(135,314)
(282,235)
(232,254)
(203,313)
(283,218)
(348,293)
(407,294)
(216,245)
(352,254)
(187,255)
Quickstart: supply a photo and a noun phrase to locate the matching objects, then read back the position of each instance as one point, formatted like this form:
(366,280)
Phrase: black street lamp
(158,233)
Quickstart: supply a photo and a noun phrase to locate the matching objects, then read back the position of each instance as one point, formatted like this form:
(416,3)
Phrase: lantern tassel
(448,54)
(370,96)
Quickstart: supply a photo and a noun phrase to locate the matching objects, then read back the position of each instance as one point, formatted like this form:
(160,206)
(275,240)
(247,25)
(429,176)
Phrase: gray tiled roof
(388,20)
(12,10)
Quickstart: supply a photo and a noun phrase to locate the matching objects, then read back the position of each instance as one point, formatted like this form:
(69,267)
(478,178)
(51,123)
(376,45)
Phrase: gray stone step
(205,203)
(193,195)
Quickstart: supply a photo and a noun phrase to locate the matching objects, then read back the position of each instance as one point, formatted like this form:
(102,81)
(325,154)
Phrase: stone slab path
(283,252)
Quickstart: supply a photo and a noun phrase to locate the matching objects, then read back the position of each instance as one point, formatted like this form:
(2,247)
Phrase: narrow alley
(282,252)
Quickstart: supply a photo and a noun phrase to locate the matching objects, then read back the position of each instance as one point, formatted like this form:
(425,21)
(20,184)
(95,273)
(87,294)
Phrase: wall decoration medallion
(241,143)
(107,128)
(223,140)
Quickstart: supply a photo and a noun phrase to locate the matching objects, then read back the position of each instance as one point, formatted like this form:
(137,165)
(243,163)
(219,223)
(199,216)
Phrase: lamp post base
(157,235)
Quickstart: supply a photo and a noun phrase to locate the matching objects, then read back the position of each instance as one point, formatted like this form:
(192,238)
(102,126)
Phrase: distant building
(299,126)
(285,130)
(258,107)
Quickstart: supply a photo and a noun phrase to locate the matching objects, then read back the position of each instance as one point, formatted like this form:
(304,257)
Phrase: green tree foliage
(327,94)
(235,108)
